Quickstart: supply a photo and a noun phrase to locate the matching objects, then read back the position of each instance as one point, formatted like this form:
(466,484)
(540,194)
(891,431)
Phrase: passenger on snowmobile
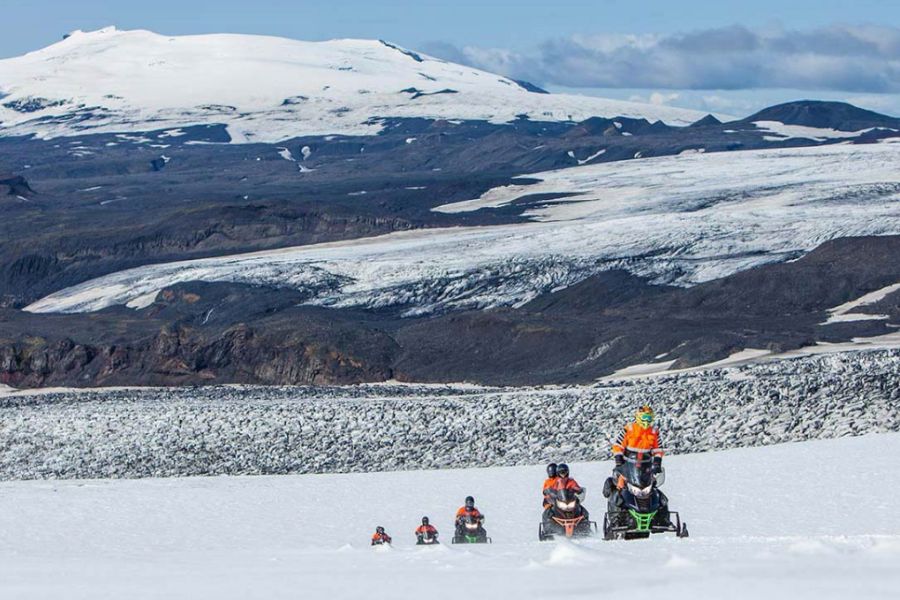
(637,442)
(469,522)
(548,484)
(426,533)
(565,516)
(380,538)
(564,483)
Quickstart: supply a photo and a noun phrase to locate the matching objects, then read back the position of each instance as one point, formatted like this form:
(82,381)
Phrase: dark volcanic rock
(830,115)
(232,333)
(15,185)
(707,121)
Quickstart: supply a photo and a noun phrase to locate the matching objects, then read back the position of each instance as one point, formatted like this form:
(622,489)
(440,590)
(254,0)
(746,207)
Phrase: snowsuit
(635,437)
(549,483)
(380,538)
(463,512)
(425,530)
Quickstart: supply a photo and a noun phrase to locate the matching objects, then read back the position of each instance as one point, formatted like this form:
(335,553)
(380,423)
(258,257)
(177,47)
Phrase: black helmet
(379,529)
(551,470)
(424,520)
(562,470)
(470,502)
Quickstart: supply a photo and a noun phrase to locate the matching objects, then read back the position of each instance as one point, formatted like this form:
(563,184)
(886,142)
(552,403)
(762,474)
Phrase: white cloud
(863,60)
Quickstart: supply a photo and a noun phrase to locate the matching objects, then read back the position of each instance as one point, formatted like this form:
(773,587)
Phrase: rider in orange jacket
(467,510)
(641,436)
(563,482)
(380,538)
(549,484)
(426,529)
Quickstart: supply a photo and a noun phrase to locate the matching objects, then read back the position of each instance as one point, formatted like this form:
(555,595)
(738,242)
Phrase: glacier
(677,220)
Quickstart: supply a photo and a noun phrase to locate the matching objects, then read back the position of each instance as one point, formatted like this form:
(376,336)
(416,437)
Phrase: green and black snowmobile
(469,530)
(636,507)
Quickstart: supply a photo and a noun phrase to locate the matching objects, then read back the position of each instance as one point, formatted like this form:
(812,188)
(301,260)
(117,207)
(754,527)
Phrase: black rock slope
(221,333)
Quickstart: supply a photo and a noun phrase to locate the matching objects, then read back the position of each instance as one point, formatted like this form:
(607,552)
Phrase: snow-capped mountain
(264,89)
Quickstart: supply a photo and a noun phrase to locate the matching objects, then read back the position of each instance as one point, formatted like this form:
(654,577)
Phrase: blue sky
(717,55)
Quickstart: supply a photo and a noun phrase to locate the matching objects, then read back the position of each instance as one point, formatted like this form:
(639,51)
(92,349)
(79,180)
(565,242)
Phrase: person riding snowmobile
(380,538)
(564,482)
(639,436)
(426,531)
(548,484)
(468,510)
(469,523)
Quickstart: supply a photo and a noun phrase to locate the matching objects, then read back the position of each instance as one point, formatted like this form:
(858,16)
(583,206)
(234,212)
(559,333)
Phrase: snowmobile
(426,539)
(566,517)
(470,531)
(636,508)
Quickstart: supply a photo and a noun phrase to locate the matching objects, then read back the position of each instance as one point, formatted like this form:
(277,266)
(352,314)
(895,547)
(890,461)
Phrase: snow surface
(264,89)
(249,430)
(682,220)
(844,312)
(810,520)
(782,132)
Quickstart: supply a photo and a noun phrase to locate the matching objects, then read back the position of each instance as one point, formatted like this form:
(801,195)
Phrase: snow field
(807,520)
(269,430)
(679,220)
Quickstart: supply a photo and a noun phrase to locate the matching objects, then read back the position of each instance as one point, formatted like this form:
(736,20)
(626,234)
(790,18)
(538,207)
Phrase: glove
(657,466)
(620,460)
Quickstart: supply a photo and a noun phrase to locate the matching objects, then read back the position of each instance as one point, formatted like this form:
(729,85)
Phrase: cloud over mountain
(862,59)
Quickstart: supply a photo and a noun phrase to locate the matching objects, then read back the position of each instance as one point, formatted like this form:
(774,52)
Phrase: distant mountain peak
(825,115)
(707,121)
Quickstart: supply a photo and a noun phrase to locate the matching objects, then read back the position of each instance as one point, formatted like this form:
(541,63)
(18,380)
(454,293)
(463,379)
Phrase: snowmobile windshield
(638,468)
(566,501)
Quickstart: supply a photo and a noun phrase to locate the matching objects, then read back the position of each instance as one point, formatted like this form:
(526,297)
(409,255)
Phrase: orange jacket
(636,437)
(462,512)
(566,483)
(381,538)
(426,529)
(549,483)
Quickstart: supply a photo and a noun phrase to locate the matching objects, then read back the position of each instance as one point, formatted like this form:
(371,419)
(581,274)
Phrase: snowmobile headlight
(471,525)
(640,492)
(566,506)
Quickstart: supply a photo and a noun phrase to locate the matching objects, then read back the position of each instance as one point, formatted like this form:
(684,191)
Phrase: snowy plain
(682,220)
(111,81)
(800,521)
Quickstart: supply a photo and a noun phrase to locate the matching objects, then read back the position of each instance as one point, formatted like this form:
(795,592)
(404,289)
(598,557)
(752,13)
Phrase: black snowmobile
(566,517)
(470,531)
(636,508)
